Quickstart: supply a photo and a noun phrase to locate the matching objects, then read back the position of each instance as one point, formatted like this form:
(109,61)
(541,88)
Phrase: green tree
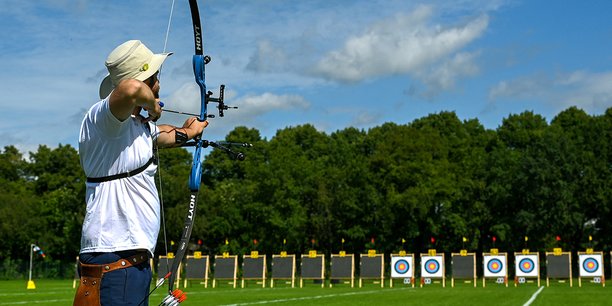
(59,183)
(17,205)
(513,181)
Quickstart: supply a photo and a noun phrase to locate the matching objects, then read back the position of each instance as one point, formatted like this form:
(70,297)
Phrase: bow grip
(199,71)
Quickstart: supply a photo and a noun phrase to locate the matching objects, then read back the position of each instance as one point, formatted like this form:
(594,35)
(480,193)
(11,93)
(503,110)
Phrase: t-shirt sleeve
(105,121)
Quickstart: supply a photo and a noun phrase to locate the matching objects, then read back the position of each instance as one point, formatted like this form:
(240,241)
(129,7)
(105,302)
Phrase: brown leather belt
(88,293)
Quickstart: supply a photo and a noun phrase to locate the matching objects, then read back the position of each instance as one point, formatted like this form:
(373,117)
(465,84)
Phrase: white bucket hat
(130,60)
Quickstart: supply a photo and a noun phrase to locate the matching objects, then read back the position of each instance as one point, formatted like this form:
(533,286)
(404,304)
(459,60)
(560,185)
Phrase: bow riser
(199,71)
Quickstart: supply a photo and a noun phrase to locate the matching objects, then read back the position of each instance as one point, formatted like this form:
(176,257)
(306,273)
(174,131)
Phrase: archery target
(401,267)
(432,266)
(494,266)
(590,265)
(527,265)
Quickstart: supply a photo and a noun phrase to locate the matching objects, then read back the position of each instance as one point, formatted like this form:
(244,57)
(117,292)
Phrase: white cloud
(187,98)
(524,87)
(365,119)
(405,44)
(589,91)
(251,108)
(260,104)
(255,111)
(267,58)
(443,77)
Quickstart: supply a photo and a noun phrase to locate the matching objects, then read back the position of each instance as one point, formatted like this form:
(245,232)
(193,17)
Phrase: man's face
(153,83)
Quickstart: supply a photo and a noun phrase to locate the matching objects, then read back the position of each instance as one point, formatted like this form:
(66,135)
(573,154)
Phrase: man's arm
(167,133)
(131,95)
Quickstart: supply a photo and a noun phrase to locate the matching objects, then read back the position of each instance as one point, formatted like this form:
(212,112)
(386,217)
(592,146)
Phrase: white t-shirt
(122,214)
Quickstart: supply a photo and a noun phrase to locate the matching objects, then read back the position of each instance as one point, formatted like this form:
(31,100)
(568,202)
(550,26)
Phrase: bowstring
(159,168)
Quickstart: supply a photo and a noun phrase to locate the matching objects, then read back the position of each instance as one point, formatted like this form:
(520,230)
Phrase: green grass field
(60,292)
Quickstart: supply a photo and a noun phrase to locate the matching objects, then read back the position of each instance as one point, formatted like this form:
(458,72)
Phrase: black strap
(129,173)
(124,174)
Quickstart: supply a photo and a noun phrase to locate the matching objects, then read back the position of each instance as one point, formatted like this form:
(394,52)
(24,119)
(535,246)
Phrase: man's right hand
(154,112)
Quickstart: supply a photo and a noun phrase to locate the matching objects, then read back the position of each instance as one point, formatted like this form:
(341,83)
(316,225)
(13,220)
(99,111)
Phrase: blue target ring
(401,266)
(432,266)
(526,265)
(495,265)
(590,265)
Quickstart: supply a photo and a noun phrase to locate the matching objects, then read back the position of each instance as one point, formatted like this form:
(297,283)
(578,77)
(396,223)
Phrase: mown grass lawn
(60,292)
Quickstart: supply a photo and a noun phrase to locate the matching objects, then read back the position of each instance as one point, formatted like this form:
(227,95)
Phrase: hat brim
(106,87)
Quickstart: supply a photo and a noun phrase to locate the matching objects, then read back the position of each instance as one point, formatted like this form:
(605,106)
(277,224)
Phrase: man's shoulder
(100,106)
(100,120)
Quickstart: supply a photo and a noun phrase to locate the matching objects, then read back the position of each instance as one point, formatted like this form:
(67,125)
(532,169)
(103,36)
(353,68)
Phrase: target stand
(342,269)
(312,267)
(254,268)
(226,267)
(432,268)
(402,267)
(371,267)
(495,266)
(463,267)
(283,268)
(196,269)
(526,267)
(558,266)
(590,265)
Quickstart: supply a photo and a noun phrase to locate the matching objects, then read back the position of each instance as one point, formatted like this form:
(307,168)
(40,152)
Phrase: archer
(116,148)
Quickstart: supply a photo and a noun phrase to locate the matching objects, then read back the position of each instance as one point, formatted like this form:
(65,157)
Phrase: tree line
(436,182)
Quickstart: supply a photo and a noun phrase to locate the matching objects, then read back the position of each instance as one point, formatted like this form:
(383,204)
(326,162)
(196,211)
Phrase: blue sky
(333,64)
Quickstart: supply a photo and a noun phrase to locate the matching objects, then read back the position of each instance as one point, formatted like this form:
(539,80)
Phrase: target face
(495,266)
(527,265)
(590,265)
(432,266)
(401,267)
